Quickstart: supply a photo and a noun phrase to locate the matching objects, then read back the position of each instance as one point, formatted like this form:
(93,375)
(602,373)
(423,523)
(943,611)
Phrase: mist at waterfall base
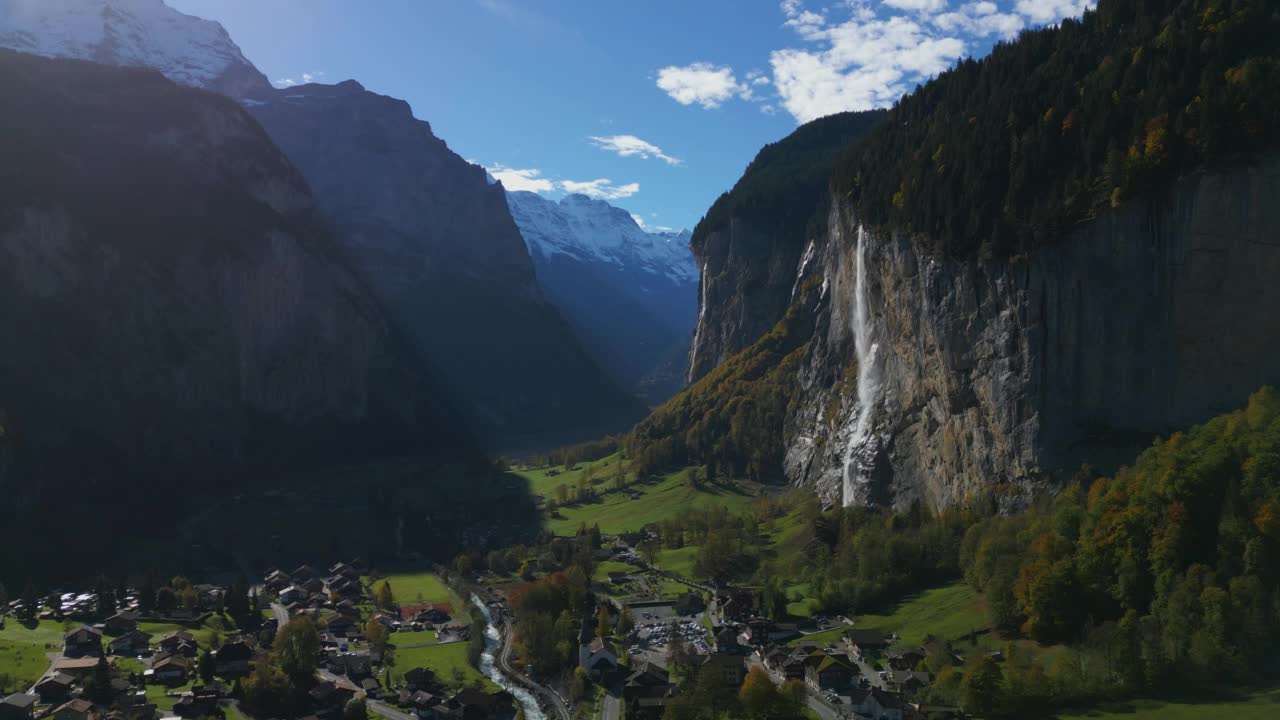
(860,454)
(489,666)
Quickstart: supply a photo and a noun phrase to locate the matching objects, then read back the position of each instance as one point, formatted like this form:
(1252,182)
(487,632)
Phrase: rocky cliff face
(442,252)
(760,235)
(1005,373)
(170,304)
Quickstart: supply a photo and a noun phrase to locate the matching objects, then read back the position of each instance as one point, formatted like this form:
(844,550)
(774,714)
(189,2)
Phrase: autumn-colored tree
(982,686)
(382,596)
(376,634)
(297,649)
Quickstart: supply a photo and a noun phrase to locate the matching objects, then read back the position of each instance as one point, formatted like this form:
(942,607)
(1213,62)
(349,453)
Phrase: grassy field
(449,662)
(22,650)
(156,694)
(1263,705)
(215,625)
(405,639)
(617,512)
(678,561)
(420,587)
(947,612)
(603,569)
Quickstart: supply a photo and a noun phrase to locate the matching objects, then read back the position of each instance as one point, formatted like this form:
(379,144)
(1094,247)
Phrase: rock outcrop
(171,306)
(1006,373)
(759,236)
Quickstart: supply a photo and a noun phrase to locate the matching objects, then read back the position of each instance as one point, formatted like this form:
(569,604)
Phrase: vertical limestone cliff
(1007,373)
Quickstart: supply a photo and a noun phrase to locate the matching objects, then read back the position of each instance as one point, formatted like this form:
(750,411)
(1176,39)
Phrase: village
(109,663)
(113,663)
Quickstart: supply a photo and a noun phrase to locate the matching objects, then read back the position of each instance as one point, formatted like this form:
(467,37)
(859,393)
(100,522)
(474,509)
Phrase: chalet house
(172,641)
(866,643)
(419,679)
(82,641)
(739,605)
(134,642)
(76,667)
(908,682)
(120,623)
(599,658)
(18,706)
(348,609)
(425,705)
(783,632)
(342,626)
(828,672)
(277,581)
(332,695)
(876,704)
(477,705)
(344,587)
(357,666)
(905,658)
(727,641)
(371,687)
(647,691)
(690,604)
(171,669)
(292,594)
(344,570)
(730,670)
(55,688)
(212,597)
(233,658)
(303,573)
(314,586)
(75,710)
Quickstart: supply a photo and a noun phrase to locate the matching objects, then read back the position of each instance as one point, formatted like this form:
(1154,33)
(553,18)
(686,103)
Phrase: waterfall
(702,314)
(859,455)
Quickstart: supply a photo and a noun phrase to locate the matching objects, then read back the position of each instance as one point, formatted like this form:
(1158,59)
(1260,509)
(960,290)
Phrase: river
(489,666)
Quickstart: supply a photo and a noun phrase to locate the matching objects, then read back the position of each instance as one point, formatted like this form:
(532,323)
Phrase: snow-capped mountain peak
(132,33)
(588,229)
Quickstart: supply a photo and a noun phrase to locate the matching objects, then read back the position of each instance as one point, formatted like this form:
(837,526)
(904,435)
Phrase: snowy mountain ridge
(132,33)
(593,230)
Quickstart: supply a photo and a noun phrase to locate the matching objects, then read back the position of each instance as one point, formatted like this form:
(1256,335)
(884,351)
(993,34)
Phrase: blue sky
(656,106)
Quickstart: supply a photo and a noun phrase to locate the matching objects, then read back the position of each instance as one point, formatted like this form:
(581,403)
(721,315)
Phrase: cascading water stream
(489,666)
(859,454)
(702,313)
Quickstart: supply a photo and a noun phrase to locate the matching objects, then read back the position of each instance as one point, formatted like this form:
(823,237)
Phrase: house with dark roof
(77,709)
(233,658)
(55,688)
(876,704)
(134,642)
(825,671)
(904,658)
(864,643)
(908,683)
(18,706)
(728,669)
(82,641)
(599,657)
(419,678)
(121,623)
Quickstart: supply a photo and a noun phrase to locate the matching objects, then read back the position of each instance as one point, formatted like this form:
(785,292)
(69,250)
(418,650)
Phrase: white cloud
(306,78)
(982,19)
(860,65)
(1048,11)
(514,180)
(632,146)
(703,83)
(922,6)
(532,180)
(601,189)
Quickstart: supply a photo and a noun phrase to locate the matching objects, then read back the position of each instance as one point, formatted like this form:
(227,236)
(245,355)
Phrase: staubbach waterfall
(860,453)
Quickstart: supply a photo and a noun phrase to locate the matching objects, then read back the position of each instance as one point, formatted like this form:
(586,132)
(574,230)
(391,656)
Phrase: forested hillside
(1002,154)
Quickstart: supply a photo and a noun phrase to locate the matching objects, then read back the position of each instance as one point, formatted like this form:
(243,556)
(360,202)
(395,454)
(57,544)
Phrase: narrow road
(389,711)
(549,696)
(611,708)
(282,615)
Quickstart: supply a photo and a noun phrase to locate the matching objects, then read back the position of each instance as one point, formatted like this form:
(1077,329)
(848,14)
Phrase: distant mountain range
(630,294)
(435,241)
